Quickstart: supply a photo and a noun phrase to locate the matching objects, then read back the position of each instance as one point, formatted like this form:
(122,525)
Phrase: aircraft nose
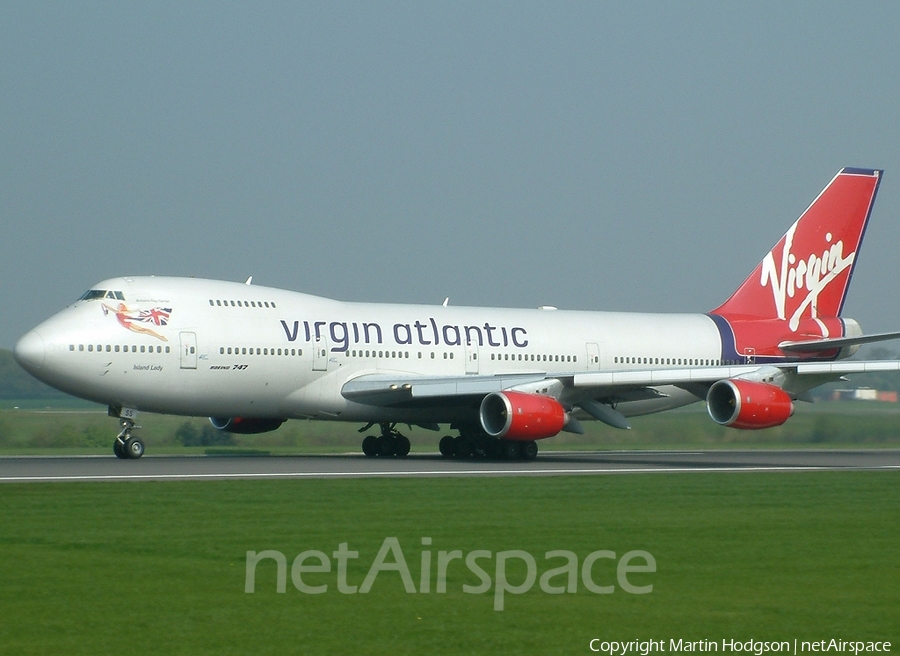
(29,351)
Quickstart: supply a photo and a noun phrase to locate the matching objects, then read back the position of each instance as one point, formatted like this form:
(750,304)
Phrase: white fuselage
(212,348)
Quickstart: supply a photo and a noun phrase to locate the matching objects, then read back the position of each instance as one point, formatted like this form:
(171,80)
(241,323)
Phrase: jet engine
(245,425)
(747,404)
(521,416)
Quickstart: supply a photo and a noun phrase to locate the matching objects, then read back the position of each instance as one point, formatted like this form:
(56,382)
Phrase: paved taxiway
(223,467)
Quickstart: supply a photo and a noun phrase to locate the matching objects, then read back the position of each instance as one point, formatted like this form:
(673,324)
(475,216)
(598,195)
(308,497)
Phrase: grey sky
(592,155)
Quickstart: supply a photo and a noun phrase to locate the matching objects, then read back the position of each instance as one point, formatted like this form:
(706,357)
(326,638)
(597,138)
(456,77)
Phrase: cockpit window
(94,294)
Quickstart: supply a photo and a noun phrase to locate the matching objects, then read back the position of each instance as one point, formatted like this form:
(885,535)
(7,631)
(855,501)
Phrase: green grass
(45,427)
(153,568)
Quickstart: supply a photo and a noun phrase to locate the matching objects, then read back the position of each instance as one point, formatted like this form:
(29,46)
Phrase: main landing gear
(389,443)
(127,446)
(477,445)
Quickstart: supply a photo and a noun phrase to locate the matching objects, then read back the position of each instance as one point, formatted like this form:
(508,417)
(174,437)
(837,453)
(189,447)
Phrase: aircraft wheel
(402,447)
(509,449)
(134,448)
(370,446)
(384,446)
(462,447)
(118,449)
(446,446)
(528,450)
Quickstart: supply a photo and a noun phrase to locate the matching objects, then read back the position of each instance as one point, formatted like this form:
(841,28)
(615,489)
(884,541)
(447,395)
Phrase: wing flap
(390,390)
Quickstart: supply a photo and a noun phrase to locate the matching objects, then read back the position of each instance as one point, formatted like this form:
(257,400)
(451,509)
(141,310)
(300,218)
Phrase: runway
(37,469)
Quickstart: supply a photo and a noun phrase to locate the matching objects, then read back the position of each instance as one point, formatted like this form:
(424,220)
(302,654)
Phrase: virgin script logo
(796,276)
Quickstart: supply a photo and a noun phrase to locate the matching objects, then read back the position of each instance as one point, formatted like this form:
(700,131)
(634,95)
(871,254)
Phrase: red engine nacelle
(521,416)
(748,405)
(245,426)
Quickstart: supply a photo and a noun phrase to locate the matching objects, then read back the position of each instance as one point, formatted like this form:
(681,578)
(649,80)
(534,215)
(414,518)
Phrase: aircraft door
(188,350)
(471,357)
(320,353)
(593,356)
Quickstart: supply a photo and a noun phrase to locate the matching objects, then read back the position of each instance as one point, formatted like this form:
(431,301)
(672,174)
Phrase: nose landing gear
(126,445)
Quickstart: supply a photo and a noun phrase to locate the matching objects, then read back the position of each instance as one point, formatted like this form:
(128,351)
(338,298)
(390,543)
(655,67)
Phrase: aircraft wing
(408,390)
(796,378)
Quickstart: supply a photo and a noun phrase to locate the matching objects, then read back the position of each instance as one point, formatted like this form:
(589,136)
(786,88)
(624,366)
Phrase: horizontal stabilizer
(818,345)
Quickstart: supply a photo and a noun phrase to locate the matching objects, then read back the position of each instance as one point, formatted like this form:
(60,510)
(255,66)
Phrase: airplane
(251,357)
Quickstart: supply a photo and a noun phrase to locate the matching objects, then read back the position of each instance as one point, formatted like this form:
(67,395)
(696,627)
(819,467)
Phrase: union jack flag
(158,316)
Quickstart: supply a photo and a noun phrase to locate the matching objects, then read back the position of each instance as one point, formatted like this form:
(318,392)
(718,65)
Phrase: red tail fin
(807,273)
